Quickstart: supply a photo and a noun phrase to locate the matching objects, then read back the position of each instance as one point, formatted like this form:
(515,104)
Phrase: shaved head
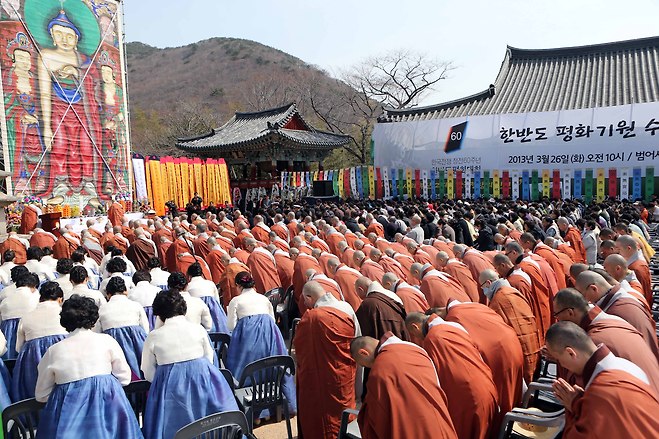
(362,350)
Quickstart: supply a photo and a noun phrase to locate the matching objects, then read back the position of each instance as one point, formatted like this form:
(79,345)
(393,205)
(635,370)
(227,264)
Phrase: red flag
(417,183)
(505,184)
(613,183)
(556,184)
(378,184)
(458,185)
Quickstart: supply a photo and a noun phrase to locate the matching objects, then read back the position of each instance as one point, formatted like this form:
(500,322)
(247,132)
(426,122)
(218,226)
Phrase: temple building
(258,146)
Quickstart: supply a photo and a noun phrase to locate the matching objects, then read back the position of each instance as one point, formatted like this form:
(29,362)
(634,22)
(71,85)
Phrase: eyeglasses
(483,284)
(556,314)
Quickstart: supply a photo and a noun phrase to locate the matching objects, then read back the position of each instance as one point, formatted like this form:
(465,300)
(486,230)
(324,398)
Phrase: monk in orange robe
(116,214)
(443,247)
(63,248)
(186,259)
(228,278)
(367,267)
(573,237)
(42,239)
(515,311)
(346,278)
(261,264)
(29,219)
(374,227)
(438,287)
(502,353)
(460,272)
(618,401)
(464,376)
(403,395)
(284,268)
(302,263)
(413,299)
(215,265)
(324,332)
(13,243)
(476,261)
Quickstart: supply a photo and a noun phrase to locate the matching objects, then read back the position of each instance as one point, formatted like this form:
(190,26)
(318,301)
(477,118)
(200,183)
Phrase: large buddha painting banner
(64,131)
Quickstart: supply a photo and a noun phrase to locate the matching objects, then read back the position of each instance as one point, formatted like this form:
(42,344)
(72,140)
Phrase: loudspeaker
(322,188)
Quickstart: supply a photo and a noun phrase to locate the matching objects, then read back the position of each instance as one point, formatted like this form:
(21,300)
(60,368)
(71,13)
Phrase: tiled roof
(601,75)
(253,130)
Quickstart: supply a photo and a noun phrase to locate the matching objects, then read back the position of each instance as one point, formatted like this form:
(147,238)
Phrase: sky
(471,34)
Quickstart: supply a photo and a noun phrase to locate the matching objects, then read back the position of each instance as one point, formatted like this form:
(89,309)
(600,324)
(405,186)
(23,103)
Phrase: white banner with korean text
(624,136)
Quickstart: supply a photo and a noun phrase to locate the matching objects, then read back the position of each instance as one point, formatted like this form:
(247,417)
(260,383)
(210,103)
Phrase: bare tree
(398,79)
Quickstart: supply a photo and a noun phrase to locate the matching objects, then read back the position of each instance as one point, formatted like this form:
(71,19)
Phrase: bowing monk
(213,259)
(616,266)
(618,335)
(302,263)
(228,286)
(617,301)
(367,267)
(141,250)
(262,265)
(324,332)
(464,376)
(572,236)
(502,353)
(285,266)
(381,311)
(413,299)
(530,244)
(389,265)
(515,311)
(627,247)
(328,284)
(460,272)
(346,278)
(438,287)
(617,401)
(41,238)
(403,399)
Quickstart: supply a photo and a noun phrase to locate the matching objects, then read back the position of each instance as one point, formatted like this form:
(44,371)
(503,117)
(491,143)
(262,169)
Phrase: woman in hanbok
(18,303)
(80,381)
(255,334)
(38,330)
(197,311)
(144,293)
(177,359)
(206,290)
(125,321)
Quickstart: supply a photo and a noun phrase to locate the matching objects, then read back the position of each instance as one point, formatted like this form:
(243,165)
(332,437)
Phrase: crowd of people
(429,317)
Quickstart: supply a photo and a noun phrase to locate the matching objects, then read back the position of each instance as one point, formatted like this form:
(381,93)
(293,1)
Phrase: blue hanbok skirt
(9,328)
(5,386)
(131,339)
(24,380)
(148,310)
(217,314)
(182,393)
(94,407)
(256,337)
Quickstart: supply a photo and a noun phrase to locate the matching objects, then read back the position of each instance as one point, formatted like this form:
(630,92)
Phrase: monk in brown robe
(261,264)
(618,335)
(65,245)
(141,250)
(460,272)
(346,278)
(380,311)
(618,401)
(413,299)
(116,214)
(515,311)
(324,332)
(464,376)
(502,353)
(438,287)
(404,399)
